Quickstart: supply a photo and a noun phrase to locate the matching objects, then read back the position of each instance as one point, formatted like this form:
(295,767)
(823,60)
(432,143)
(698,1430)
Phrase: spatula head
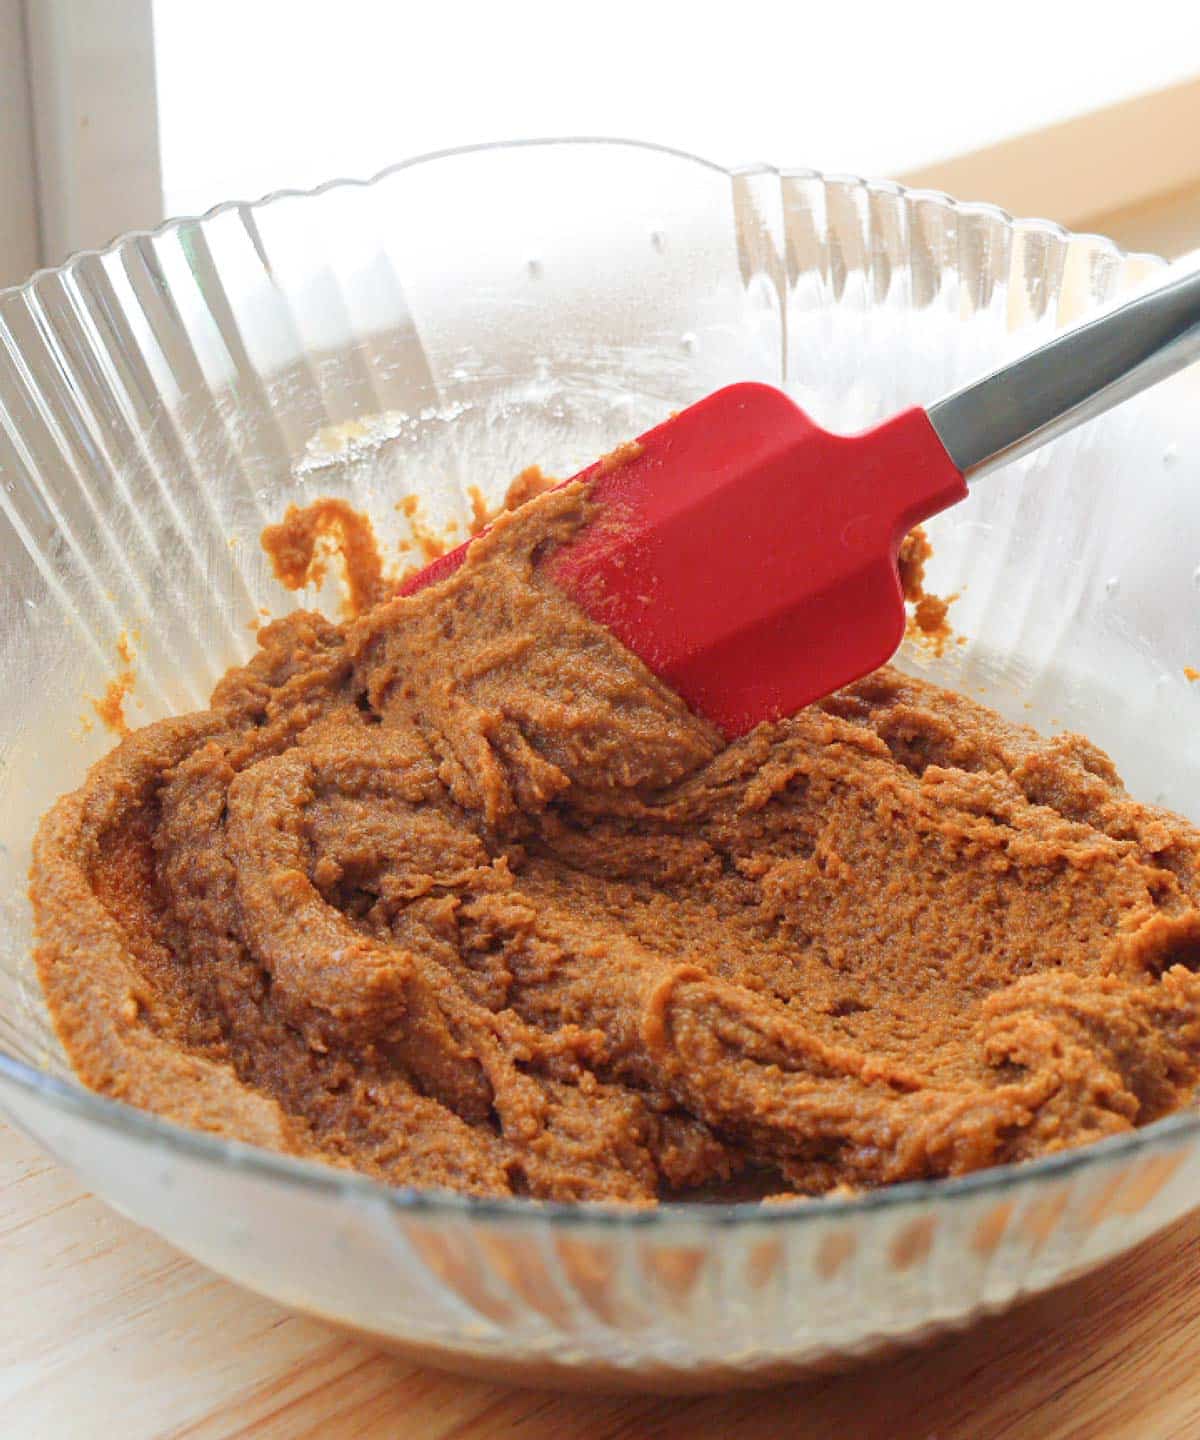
(748,556)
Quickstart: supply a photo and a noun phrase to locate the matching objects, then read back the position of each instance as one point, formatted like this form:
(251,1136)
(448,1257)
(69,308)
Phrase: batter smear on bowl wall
(459,894)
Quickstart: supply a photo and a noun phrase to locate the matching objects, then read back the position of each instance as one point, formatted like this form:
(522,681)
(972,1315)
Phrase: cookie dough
(458,894)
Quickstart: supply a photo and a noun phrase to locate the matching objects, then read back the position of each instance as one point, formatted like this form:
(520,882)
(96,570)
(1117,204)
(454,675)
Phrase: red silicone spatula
(750,557)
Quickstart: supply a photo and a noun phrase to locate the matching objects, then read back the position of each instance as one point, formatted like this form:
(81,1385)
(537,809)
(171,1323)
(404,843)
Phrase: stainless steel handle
(1072,378)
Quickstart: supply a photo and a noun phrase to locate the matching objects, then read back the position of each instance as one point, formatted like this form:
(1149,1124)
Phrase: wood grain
(106,1331)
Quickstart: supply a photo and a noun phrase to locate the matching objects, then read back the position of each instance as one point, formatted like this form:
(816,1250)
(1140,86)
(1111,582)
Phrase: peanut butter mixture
(458,894)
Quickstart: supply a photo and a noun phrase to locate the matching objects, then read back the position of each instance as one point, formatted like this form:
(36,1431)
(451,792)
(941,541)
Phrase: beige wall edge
(1110,159)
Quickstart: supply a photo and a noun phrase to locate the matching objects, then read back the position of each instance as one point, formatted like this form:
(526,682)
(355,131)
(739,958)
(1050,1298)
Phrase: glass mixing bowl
(436,330)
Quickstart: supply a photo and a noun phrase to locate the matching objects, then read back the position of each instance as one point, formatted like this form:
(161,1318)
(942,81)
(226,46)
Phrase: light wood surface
(106,1331)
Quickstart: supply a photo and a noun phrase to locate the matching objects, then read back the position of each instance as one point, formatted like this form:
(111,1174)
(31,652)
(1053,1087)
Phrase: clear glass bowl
(474,312)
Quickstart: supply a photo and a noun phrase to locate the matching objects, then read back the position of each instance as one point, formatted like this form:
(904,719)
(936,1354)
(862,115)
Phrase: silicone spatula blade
(749,557)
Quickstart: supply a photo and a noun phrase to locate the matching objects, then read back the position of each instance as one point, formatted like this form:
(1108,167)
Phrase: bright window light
(254,97)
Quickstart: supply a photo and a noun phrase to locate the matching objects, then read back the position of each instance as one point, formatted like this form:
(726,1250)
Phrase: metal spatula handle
(1072,378)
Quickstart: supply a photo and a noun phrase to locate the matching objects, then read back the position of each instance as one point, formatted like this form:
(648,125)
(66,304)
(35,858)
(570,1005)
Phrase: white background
(257,96)
(235,99)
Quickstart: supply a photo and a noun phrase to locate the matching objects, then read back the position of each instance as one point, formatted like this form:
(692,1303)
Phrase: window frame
(93,121)
(20,240)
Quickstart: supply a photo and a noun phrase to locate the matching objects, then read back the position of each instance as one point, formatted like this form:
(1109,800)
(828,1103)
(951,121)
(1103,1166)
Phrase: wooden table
(105,1331)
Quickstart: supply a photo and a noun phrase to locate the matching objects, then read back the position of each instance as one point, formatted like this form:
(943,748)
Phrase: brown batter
(458,894)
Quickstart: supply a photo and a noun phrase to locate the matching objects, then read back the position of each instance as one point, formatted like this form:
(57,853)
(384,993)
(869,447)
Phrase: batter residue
(458,894)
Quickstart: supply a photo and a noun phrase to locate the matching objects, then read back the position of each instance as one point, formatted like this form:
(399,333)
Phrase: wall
(18,199)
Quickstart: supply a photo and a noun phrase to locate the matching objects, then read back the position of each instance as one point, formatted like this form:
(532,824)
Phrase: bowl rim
(147,1128)
(873,185)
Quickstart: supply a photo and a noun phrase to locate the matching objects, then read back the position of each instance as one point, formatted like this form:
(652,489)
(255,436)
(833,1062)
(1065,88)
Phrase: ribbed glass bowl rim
(145,1127)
